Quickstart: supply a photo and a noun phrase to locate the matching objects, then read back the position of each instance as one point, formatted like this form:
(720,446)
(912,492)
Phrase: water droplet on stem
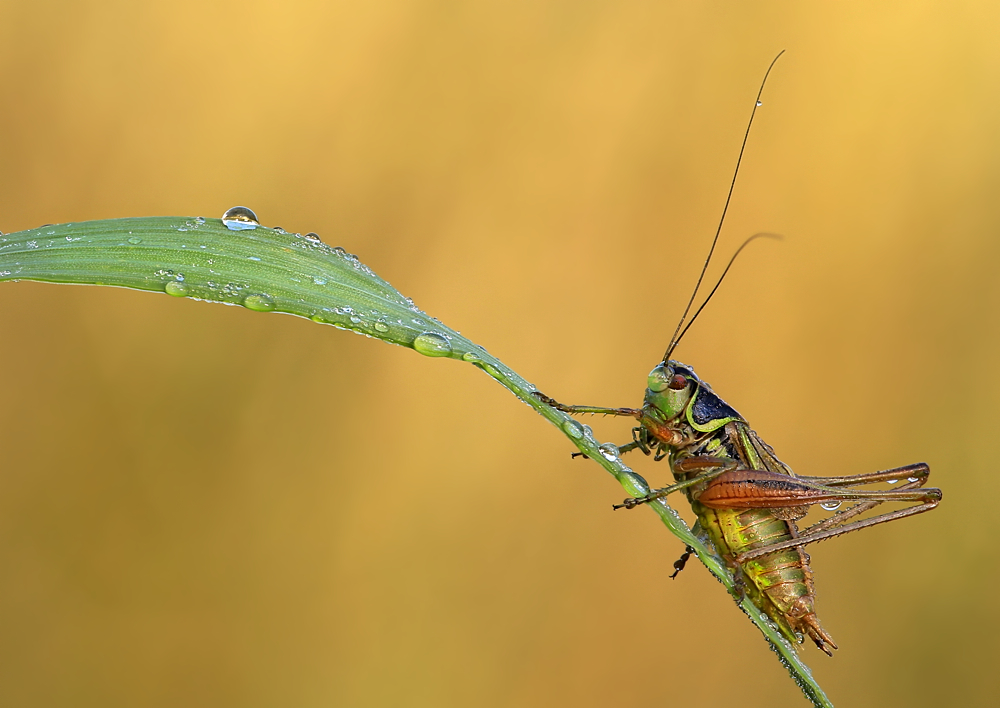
(609,451)
(430,344)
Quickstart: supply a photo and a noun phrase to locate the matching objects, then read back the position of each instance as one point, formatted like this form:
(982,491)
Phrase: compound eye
(678,382)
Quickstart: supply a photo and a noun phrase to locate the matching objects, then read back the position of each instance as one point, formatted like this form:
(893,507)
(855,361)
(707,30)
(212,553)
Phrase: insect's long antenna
(721,277)
(675,338)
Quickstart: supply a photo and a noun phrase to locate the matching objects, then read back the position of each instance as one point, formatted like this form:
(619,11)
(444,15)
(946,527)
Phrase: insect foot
(632,503)
(739,591)
(545,399)
(682,561)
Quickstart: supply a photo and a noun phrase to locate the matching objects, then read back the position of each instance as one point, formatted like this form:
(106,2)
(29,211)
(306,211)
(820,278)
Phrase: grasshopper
(746,500)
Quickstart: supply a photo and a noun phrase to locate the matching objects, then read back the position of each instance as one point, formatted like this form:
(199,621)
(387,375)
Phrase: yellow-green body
(692,423)
(779,583)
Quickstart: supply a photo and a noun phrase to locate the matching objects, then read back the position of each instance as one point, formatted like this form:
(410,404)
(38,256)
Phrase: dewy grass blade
(239,262)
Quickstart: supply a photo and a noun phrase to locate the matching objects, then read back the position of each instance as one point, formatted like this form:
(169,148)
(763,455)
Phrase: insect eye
(678,382)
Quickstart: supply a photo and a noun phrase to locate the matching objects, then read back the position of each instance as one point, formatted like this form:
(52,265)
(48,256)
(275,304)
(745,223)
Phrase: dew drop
(573,429)
(176,288)
(430,344)
(609,451)
(634,483)
(240,218)
(313,237)
(259,303)
(135,240)
(470,357)
(381,326)
(831,505)
(760,103)
(317,318)
(912,479)
(893,481)
(356,320)
(319,280)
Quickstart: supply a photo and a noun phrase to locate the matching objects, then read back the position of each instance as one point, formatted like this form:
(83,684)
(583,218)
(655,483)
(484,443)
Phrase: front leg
(575,410)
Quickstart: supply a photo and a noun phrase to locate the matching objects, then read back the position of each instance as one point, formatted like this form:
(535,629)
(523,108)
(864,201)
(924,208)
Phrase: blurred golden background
(206,506)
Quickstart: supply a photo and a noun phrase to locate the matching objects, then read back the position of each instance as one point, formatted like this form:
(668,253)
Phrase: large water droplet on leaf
(259,303)
(240,218)
(176,288)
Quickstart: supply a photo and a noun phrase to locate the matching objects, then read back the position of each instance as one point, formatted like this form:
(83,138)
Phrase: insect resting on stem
(746,500)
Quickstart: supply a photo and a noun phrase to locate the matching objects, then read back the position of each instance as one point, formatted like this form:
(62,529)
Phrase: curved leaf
(272,270)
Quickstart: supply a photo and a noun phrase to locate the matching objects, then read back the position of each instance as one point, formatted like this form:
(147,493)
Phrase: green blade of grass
(271,270)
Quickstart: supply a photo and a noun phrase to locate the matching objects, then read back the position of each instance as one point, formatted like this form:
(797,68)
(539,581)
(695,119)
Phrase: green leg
(715,466)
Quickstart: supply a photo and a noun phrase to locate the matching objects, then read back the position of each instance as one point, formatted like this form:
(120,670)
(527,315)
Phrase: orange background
(206,506)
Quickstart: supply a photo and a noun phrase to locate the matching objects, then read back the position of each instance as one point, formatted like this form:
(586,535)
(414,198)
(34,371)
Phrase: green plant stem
(636,486)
